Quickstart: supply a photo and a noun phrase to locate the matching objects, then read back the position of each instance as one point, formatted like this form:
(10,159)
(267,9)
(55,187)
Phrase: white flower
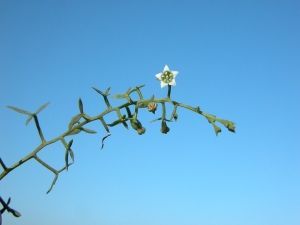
(167,77)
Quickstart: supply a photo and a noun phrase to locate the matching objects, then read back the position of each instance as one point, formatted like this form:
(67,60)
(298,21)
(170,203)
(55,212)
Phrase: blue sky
(238,60)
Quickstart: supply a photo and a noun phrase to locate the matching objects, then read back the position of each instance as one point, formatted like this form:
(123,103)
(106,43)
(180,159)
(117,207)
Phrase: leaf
(155,120)
(86,116)
(19,110)
(142,104)
(74,120)
(8,201)
(89,131)
(15,212)
(141,86)
(76,131)
(107,90)
(71,154)
(70,144)
(127,92)
(108,134)
(80,105)
(125,125)
(119,96)
(53,183)
(41,108)
(100,92)
(28,119)
(152,98)
(67,158)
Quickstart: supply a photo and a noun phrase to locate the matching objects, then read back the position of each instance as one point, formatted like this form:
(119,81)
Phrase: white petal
(174,73)
(173,83)
(158,76)
(166,68)
(163,84)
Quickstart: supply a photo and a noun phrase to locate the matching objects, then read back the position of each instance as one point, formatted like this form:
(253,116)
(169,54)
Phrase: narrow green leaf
(86,116)
(100,92)
(41,108)
(141,86)
(67,158)
(104,124)
(142,104)
(155,120)
(125,125)
(74,120)
(119,96)
(14,212)
(28,119)
(152,98)
(107,90)
(76,131)
(8,201)
(72,155)
(53,183)
(80,105)
(89,131)
(127,92)
(70,144)
(19,110)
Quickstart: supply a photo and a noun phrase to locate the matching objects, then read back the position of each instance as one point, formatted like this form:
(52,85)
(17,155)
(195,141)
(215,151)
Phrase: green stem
(169,91)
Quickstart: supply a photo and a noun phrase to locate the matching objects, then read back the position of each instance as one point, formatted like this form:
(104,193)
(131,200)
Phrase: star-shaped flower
(167,77)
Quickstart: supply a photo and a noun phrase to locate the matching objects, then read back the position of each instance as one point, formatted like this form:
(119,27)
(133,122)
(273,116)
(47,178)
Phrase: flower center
(167,77)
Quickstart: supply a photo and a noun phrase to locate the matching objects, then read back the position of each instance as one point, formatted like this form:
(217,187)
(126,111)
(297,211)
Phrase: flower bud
(152,106)
(164,128)
(231,127)
(175,116)
(137,126)
(141,130)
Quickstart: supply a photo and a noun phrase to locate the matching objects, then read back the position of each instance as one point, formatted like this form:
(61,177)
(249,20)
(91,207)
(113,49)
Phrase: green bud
(136,124)
(164,128)
(141,131)
(175,116)
(230,126)
(152,106)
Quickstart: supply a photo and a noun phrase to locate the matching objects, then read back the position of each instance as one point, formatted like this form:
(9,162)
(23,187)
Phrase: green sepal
(216,128)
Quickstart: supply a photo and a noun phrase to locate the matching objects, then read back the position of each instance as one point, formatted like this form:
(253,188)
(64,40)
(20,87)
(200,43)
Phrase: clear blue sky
(238,60)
